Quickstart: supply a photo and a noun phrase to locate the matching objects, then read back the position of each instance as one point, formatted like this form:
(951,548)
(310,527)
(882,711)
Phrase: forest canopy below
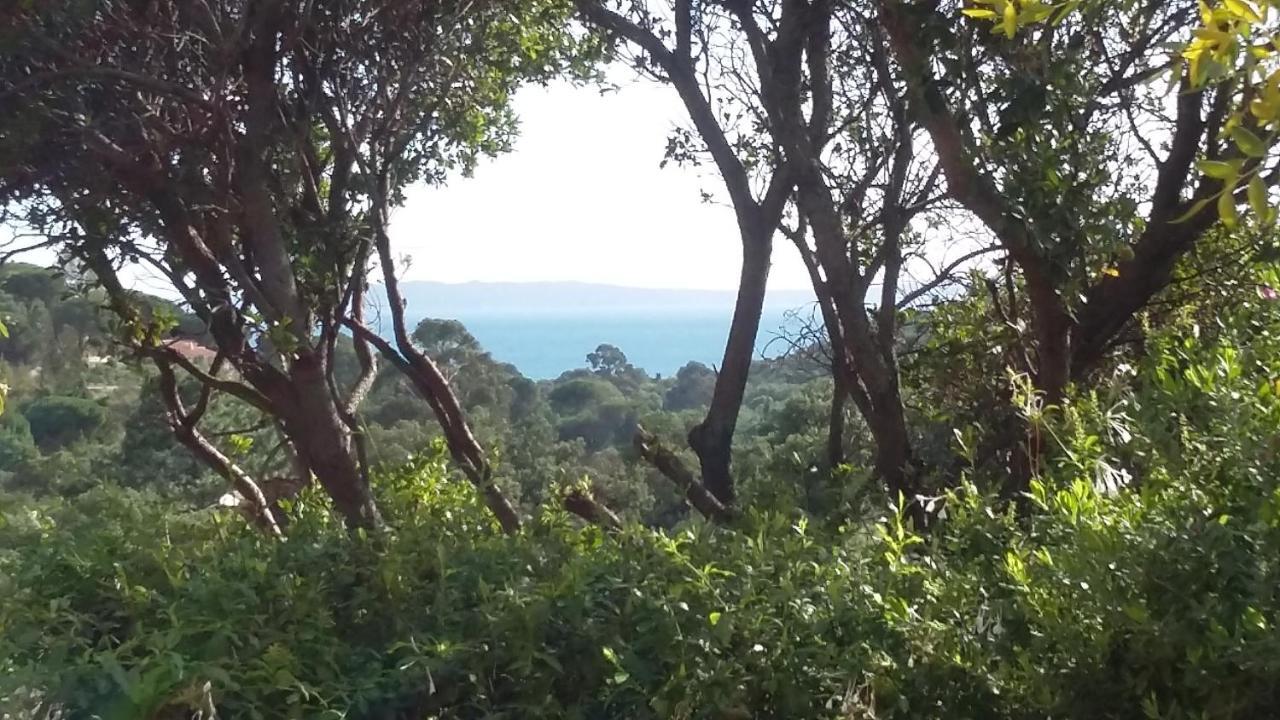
(1036,480)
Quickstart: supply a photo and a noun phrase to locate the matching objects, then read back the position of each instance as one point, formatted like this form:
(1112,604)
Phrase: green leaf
(1137,613)
(1249,143)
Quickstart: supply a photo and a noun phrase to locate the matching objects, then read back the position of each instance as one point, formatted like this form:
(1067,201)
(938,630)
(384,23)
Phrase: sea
(544,344)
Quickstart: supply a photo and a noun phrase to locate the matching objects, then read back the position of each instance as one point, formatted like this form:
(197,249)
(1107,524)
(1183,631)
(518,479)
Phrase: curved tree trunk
(712,439)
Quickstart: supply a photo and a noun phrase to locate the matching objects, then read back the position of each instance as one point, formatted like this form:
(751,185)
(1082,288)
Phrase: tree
(693,388)
(17,446)
(608,360)
(1045,137)
(805,93)
(254,166)
(757,190)
(448,342)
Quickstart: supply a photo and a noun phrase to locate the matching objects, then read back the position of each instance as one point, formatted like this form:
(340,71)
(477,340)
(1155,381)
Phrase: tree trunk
(324,442)
(1052,327)
(878,371)
(712,439)
(836,423)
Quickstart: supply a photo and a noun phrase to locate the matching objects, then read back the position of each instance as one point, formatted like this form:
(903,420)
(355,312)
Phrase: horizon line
(589,283)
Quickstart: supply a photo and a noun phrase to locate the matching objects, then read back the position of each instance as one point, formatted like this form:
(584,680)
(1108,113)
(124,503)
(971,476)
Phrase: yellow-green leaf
(1217,169)
(980,14)
(1258,198)
(1010,19)
(1194,210)
(1227,207)
(1242,9)
(1066,9)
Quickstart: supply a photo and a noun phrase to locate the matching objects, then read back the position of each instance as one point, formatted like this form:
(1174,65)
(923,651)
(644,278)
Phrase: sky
(582,198)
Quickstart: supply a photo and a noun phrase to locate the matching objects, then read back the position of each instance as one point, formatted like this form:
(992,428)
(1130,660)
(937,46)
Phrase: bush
(451,618)
(58,420)
(17,447)
(1158,604)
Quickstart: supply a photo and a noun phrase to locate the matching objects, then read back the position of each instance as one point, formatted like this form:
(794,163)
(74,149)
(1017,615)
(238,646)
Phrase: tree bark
(649,448)
(582,504)
(324,442)
(712,439)
(836,422)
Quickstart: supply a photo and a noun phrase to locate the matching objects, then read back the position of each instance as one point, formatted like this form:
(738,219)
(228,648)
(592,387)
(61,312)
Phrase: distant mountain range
(437,299)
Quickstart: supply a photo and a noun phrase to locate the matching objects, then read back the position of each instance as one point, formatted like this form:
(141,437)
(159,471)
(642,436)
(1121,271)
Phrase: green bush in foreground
(1105,607)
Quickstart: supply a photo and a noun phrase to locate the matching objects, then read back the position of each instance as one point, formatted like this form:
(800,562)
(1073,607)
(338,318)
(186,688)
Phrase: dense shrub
(57,420)
(1155,603)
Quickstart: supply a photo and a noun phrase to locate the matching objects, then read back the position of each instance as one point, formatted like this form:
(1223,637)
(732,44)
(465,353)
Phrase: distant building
(192,350)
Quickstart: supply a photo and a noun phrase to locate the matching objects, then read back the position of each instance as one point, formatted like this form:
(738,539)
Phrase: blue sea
(542,345)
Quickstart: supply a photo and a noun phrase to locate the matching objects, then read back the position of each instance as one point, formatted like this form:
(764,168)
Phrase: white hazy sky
(582,197)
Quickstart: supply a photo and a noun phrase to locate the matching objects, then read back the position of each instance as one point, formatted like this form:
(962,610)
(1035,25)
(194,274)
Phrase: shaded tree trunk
(712,439)
(836,422)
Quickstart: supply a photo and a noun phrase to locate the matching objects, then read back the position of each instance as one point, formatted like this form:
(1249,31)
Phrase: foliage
(692,390)
(1233,43)
(17,446)
(1153,599)
(56,420)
